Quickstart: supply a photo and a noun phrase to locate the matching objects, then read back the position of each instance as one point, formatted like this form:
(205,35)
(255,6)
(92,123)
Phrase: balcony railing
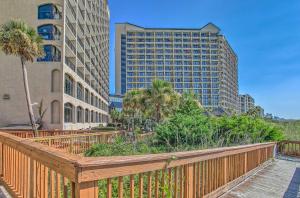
(71,26)
(72,10)
(51,58)
(50,15)
(70,63)
(71,45)
(80,58)
(80,42)
(50,36)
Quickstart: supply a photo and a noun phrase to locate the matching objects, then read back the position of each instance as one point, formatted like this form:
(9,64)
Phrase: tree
(161,97)
(18,39)
(115,116)
(41,111)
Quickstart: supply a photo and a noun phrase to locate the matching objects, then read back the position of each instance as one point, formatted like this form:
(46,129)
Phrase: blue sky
(265,34)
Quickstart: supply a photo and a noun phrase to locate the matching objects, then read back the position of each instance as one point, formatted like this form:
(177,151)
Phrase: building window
(87,113)
(92,99)
(55,112)
(68,113)
(55,81)
(69,85)
(49,32)
(92,116)
(79,115)
(52,54)
(48,11)
(87,96)
(79,91)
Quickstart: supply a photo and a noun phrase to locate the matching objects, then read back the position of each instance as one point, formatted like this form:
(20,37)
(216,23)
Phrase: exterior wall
(198,60)
(116,102)
(91,71)
(14,110)
(246,103)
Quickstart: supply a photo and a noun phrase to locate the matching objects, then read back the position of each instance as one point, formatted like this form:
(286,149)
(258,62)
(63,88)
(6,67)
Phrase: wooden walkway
(279,179)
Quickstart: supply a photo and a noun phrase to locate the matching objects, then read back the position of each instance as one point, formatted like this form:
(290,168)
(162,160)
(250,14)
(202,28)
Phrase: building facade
(198,60)
(261,111)
(116,102)
(246,103)
(72,77)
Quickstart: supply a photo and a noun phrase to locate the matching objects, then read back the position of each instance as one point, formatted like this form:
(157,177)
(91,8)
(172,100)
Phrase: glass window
(87,112)
(48,11)
(52,54)
(68,112)
(79,115)
(79,91)
(69,85)
(49,32)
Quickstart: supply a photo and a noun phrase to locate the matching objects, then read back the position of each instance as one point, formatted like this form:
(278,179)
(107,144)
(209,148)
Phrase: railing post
(86,189)
(246,163)
(225,170)
(189,181)
(31,179)
(1,159)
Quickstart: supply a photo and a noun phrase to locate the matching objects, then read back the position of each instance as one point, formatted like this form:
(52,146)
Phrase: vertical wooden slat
(120,187)
(52,184)
(65,187)
(141,185)
(225,170)
(181,180)
(46,181)
(109,188)
(58,185)
(156,184)
(189,180)
(175,182)
(131,186)
(162,184)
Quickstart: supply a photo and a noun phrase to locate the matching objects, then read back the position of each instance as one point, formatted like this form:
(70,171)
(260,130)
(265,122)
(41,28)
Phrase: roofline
(152,28)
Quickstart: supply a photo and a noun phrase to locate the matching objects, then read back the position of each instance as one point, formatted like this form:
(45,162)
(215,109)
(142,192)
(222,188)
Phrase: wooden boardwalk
(280,179)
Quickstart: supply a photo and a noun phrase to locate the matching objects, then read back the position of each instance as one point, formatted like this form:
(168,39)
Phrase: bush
(189,126)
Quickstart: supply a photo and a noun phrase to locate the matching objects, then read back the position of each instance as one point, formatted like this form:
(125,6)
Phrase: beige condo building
(247,103)
(198,60)
(72,78)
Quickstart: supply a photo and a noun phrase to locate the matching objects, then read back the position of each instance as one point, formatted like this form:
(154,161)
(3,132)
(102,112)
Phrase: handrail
(28,168)
(166,160)
(289,148)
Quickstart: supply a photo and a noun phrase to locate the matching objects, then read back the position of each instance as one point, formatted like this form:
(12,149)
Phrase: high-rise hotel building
(72,77)
(247,103)
(199,60)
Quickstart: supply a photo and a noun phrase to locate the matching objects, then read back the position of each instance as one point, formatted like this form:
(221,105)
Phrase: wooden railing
(46,133)
(289,148)
(30,169)
(79,143)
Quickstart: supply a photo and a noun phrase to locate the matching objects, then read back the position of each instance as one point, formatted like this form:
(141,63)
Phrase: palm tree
(18,39)
(132,101)
(161,97)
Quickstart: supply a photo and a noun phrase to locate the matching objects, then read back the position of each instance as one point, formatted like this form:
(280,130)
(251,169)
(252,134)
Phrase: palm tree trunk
(157,113)
(28,100)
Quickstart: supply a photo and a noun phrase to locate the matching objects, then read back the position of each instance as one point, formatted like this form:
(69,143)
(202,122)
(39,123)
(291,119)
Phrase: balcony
(71,45)
(49,32)
(52,54)
(49,11)
(50,59)
(71,26)
(70,63)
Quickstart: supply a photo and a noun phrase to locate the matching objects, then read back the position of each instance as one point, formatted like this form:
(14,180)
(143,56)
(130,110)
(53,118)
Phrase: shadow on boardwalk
(280,179)
(293,189)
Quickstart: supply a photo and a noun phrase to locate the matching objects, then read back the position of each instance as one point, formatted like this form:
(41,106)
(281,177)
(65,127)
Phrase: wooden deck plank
(279,179)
